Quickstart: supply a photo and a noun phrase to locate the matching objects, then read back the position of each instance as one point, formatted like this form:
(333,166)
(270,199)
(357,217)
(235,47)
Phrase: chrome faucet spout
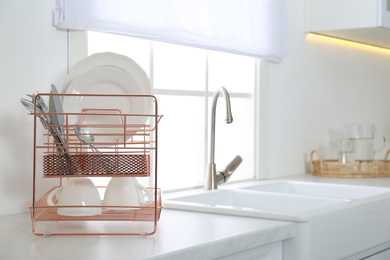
(212,178)
(229,118)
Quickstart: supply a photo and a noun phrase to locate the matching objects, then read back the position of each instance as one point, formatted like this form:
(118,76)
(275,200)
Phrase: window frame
(78,50)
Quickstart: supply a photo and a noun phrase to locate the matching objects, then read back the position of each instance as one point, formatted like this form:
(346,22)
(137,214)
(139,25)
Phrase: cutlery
(40,108)
(55,106)
(45,121)
(41,103)
(86,137)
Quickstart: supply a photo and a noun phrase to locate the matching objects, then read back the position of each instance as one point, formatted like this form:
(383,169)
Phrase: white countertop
(375,182)
(180,235)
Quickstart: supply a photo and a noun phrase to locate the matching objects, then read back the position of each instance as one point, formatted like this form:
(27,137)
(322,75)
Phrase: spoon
(86,137)
(40,102)
(29,105)
(45,109)
(42,108)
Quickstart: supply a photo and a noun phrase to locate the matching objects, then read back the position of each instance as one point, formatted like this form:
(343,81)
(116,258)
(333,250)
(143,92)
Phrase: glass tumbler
(346,151)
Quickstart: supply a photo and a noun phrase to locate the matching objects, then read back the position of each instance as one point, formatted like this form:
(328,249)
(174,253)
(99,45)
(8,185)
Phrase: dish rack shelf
(96,142)
(43,212)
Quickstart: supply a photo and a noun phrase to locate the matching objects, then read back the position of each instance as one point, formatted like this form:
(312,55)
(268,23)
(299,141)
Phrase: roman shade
(256,28)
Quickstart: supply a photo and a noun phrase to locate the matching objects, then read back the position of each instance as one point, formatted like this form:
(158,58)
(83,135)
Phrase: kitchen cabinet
(384,255)
(268,252)
(364,21)
(381,252)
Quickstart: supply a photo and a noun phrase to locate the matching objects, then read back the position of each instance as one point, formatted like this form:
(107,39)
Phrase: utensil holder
(135,165)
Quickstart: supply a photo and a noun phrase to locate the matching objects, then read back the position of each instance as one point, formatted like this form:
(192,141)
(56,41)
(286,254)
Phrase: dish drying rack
(121,148)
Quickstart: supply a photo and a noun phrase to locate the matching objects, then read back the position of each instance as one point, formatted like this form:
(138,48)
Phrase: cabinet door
(325,15)
(268,252)
(384,255)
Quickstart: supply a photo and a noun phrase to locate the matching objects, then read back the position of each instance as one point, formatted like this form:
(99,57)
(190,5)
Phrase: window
(184,80)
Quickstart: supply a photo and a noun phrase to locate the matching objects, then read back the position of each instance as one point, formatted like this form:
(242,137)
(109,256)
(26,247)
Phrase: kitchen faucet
(213,179)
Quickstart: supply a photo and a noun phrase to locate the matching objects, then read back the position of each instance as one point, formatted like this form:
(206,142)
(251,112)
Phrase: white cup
(126,191)
(76,192)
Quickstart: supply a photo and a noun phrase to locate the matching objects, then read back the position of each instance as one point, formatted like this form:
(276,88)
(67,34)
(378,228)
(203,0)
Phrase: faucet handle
(224,175)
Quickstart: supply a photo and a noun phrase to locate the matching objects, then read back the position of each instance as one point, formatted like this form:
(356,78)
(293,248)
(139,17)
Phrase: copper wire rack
(123,145)
(43,212)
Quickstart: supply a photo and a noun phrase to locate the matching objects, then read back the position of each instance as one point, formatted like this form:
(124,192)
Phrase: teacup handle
(384,140)
(140,195)
(51,195)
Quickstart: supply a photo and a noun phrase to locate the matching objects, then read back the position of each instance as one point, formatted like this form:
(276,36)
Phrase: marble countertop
(180,235)
(375,182)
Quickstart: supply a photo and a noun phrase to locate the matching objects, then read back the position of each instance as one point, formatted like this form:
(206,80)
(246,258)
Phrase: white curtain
(255,28)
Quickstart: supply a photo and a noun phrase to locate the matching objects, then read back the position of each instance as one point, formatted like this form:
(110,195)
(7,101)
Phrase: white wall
(33,55)
(317,89)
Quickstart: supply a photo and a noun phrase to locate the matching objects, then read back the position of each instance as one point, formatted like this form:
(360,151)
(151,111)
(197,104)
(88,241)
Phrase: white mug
(126,191)
(77,192)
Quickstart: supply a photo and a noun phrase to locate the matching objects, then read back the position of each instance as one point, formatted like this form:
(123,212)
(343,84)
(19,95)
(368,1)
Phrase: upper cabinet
(365,21)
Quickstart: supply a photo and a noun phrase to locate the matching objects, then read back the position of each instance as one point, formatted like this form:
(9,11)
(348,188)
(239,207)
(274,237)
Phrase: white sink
(319,189)
(281,200)
(254,204)
(327,216)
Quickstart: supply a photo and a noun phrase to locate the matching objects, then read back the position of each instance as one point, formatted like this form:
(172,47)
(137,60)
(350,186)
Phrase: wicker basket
(333,168)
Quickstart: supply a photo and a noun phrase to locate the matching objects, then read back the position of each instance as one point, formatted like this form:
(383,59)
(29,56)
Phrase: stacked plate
(107,73)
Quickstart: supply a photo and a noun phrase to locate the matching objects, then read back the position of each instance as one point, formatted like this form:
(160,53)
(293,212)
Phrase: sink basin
(281,200)
(327,216)
(254,204)
(319,189)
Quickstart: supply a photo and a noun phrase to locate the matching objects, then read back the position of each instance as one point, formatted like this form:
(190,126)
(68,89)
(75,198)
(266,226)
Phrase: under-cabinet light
(348,43)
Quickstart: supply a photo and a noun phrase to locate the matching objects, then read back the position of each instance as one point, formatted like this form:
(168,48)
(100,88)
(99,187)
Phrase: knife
(52,109)
(55,106)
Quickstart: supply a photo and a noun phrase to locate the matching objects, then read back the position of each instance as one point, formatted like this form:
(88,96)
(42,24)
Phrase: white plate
(106,80)
(109,59)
